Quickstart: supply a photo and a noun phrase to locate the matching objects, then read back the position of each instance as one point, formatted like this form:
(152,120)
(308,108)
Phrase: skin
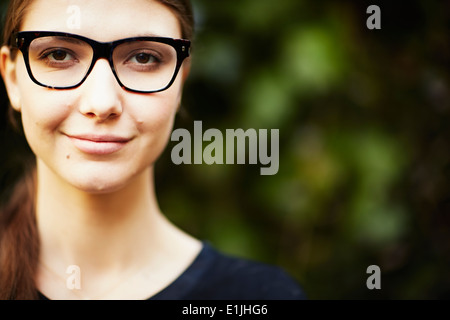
(100,212)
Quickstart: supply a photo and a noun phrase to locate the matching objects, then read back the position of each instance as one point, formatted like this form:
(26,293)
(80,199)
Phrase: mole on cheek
(68,156)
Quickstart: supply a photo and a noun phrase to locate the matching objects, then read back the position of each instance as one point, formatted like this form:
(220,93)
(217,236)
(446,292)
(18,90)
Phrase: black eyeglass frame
(101,50)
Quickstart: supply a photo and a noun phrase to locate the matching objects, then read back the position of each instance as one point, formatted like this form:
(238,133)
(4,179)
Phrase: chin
(98,189)
(96,185)
(103,178)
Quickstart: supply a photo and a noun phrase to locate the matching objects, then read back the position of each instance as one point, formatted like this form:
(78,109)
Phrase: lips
(98,144)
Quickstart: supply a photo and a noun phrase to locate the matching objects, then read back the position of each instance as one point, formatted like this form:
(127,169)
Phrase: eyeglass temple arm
(14,41)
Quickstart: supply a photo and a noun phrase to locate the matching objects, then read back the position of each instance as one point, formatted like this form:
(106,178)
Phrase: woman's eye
(60,55)
(144,58)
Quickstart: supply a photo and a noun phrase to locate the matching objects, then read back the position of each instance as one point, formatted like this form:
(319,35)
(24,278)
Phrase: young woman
(97,102)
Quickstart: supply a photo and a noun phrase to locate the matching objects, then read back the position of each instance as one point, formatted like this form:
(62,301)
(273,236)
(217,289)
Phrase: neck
(108,236)
(76,226)
(97,230)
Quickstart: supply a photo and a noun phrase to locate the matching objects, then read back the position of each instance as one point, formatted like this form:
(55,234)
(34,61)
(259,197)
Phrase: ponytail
(19,242)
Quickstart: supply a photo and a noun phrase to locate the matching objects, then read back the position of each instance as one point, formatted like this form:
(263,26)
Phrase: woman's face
(97,137)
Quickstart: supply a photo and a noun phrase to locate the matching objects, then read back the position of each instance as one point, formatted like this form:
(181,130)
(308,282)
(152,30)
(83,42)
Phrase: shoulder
(229,277)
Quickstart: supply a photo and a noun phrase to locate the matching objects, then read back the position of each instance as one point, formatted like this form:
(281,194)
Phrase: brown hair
(19,238)
(17,10)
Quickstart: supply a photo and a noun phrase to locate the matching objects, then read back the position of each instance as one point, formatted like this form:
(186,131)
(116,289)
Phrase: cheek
(43,111)
(157,111)
(42,114)
(154,119)
(40,107)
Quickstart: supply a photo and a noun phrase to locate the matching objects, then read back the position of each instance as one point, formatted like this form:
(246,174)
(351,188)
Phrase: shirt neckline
(185,282)
(189,278)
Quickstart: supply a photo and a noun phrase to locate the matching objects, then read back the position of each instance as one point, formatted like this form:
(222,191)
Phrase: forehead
(102,20)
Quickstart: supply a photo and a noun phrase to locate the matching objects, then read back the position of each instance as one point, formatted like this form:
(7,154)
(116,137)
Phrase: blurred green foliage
(364,142)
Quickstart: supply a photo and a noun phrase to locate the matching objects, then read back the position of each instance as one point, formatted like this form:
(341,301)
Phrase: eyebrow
(150,35)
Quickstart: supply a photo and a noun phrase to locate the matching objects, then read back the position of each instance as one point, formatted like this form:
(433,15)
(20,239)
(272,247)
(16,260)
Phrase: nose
(101,93)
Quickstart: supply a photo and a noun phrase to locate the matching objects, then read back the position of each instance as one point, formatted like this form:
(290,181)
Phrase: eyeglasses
(60,60)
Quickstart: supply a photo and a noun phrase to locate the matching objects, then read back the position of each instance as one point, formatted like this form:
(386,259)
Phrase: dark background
(364,142)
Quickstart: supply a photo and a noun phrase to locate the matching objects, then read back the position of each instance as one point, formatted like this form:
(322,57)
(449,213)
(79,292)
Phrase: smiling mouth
(98,144)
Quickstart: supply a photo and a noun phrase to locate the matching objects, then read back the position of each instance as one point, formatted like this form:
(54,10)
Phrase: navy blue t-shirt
(217,276)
